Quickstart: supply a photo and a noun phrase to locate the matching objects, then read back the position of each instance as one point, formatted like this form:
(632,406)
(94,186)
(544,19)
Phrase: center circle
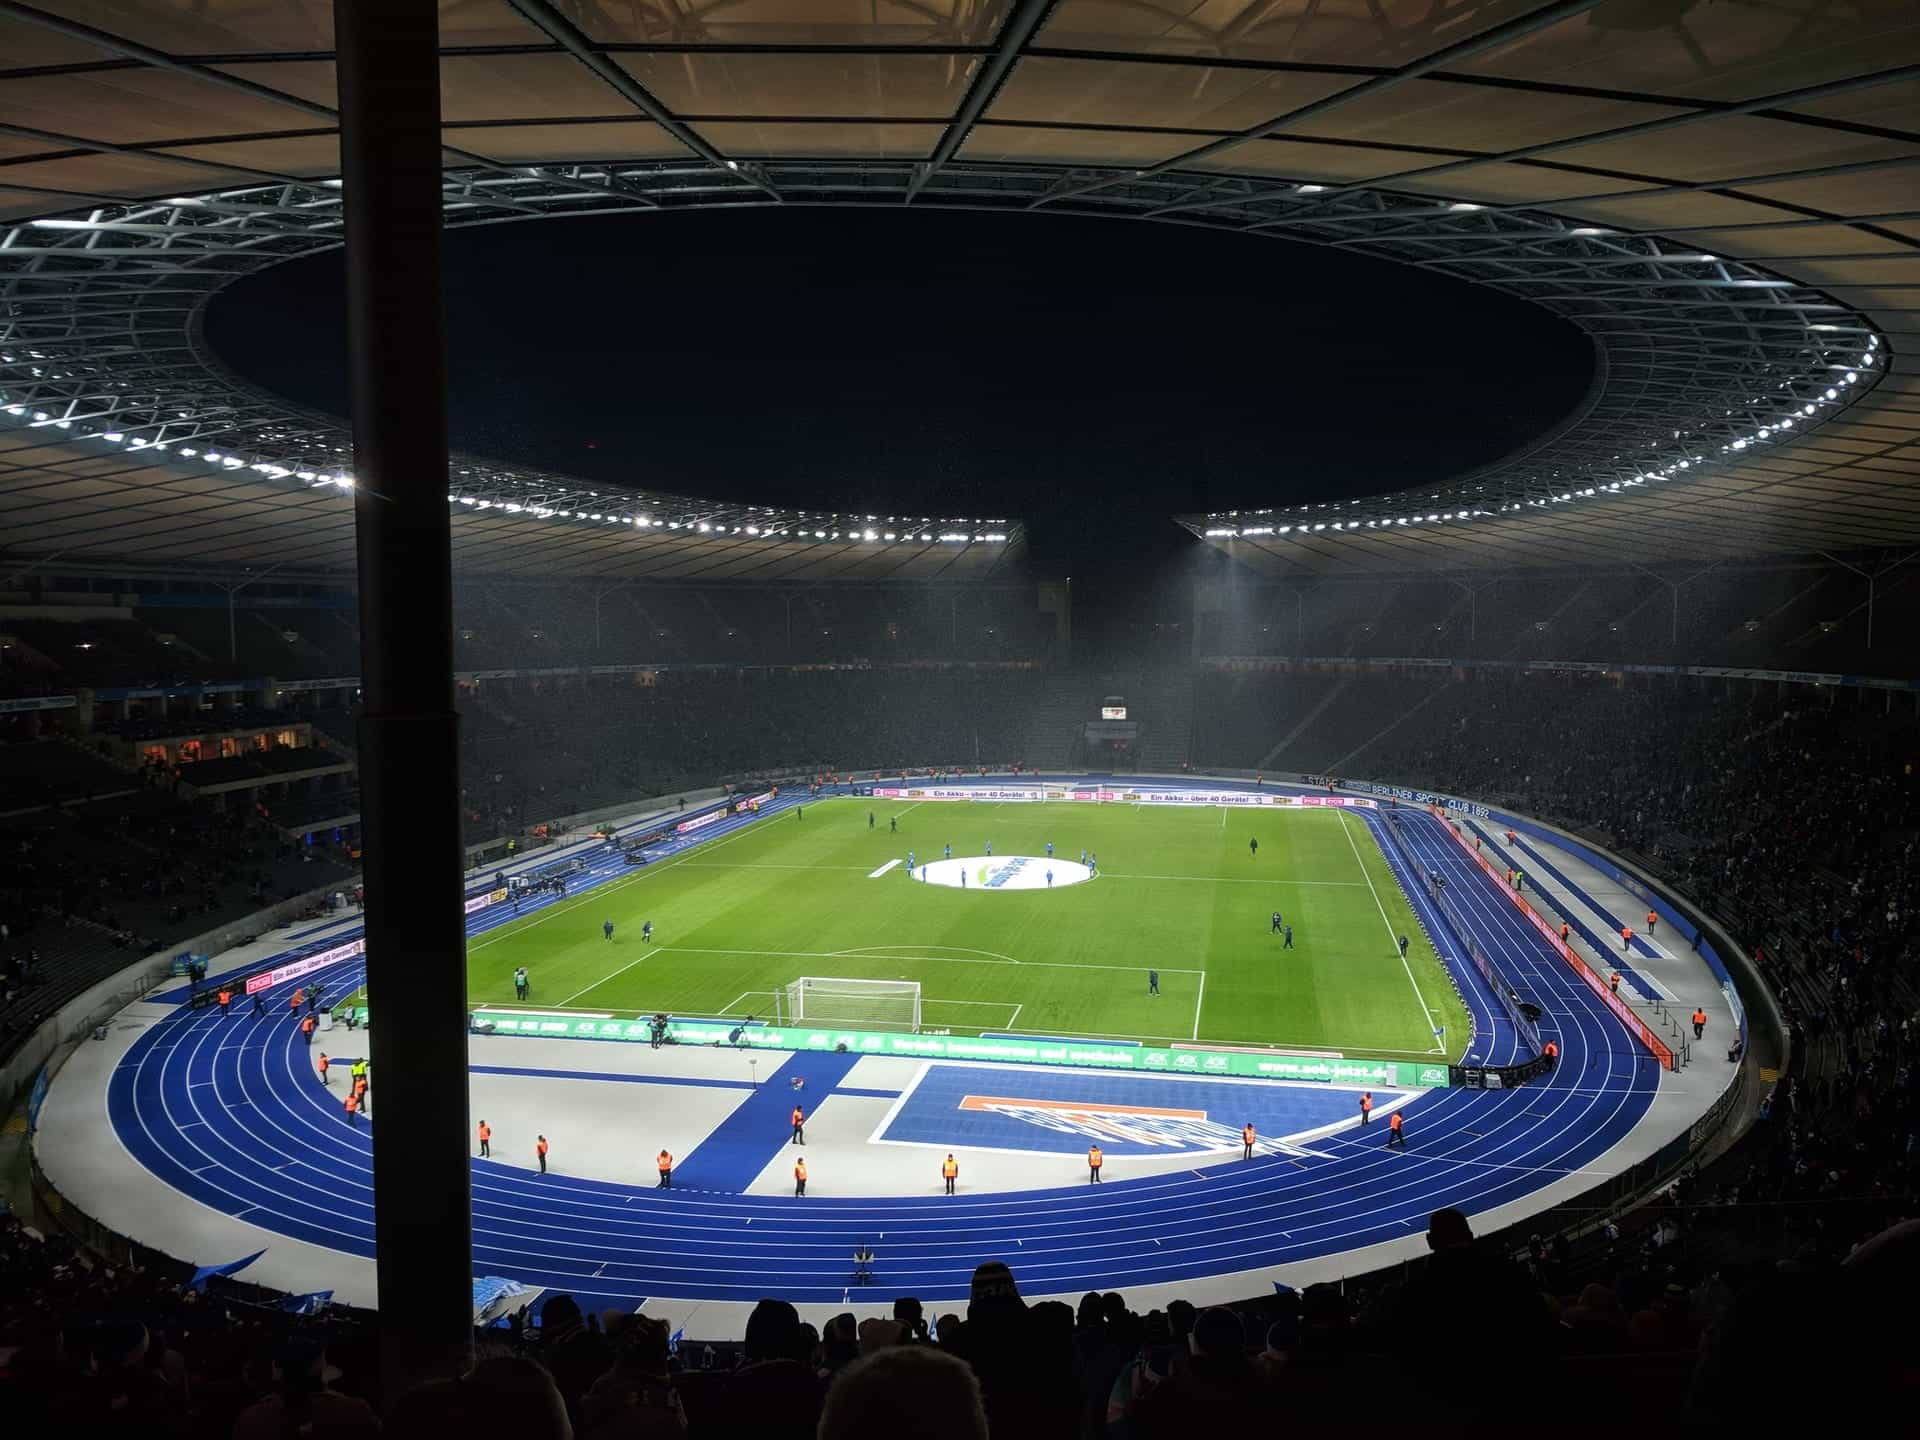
(1002,872)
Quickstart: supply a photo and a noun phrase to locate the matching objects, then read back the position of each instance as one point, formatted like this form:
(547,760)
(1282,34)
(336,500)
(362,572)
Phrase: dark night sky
(1090,377)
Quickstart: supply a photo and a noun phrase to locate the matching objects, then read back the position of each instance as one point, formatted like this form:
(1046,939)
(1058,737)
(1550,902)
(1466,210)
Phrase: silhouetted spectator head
(772,1331)
(1180,1317)
(878,1334)
(1219,1335)
(1282,1336)
(1323,1311)
(994,1291)
(505,1395)
(1447,1229)
(640,1342)
(840,1341)
(908,1311)
(1088,1314)
(904,1390)
(559,1312)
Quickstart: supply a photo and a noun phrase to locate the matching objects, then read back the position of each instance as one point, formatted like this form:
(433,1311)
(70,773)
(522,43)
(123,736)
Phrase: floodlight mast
(389,79)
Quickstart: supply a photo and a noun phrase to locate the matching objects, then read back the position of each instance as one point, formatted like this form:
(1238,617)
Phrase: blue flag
(673,1341)
(232,1267)
(309,1304)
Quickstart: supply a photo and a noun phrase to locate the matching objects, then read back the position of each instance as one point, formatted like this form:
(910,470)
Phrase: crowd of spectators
(1792,814)
(91,887)
(538,750)
(1667,1324)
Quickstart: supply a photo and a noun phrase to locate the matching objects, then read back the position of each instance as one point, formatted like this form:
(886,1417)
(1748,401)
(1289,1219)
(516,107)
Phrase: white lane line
(1393,940)
(1199,1000)
(875,875)
(621,971)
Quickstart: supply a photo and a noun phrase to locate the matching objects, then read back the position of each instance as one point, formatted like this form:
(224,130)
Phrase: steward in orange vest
(950,1171)
(1094,1161)
(799,1127)
(1246,1141)
(486,1140)
(665,1162)
(800,1177)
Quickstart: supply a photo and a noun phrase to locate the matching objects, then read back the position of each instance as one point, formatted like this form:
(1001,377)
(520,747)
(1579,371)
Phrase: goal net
(866,1004)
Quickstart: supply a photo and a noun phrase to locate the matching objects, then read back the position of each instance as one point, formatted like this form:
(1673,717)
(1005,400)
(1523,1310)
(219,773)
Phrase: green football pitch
(1178,891)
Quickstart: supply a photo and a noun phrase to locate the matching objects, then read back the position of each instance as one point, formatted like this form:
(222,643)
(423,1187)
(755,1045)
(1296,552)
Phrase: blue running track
(227,1112)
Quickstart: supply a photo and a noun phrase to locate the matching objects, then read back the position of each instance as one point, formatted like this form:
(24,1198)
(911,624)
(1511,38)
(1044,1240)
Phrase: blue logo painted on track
(1008,1108)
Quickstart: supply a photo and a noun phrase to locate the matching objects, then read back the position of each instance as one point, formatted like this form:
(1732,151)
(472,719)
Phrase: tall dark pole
(389,80)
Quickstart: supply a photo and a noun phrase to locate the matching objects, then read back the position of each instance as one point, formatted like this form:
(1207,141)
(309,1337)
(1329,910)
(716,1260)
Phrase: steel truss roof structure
(1724,202)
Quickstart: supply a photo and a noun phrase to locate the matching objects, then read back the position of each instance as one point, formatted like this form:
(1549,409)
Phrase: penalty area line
(615,974)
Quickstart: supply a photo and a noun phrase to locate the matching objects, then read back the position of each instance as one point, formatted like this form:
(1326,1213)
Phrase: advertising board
(1255,1064)
(293,969)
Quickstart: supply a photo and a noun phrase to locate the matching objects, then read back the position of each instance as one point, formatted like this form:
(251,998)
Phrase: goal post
(861,1004)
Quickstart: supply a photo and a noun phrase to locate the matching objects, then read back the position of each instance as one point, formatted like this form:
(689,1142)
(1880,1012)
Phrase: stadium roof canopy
(1726,197)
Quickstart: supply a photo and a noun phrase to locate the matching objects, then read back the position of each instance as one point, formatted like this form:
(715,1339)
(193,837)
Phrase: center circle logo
(1002,872)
